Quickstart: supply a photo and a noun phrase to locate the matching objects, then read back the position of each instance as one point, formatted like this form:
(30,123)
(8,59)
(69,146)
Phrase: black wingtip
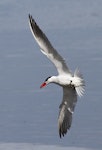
(61,133)
(30,17)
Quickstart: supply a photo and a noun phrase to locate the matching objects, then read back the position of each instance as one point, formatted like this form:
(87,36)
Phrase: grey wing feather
(66,109)
(47,48)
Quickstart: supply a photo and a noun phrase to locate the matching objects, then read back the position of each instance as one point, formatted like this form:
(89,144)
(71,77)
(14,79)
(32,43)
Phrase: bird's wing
(66,109)
(47,48)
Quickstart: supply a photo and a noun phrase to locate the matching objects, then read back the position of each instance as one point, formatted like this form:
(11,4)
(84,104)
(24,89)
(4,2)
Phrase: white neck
(53,79)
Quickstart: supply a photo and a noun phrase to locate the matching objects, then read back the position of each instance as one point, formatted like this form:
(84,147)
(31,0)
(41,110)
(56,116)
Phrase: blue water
(28,114)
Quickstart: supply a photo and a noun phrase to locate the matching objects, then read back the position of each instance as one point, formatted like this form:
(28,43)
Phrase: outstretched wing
(66,109)
(47,48)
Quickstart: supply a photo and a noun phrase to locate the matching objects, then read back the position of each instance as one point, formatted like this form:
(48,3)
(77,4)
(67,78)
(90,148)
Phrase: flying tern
(72,83)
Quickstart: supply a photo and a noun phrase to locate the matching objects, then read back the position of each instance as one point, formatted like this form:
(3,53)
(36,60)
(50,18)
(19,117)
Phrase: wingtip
(29,16)
(31,20)
(61,133)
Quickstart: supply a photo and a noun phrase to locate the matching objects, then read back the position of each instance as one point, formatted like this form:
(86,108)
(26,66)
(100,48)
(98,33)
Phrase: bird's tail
(79,83)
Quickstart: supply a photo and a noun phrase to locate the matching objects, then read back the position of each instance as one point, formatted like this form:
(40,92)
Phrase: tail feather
(80,90)
(79,83)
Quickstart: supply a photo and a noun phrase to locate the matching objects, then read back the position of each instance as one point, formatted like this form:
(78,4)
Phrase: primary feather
(66,109)
(47,48)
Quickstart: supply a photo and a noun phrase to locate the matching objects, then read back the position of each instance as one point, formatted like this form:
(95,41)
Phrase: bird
(71,83)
